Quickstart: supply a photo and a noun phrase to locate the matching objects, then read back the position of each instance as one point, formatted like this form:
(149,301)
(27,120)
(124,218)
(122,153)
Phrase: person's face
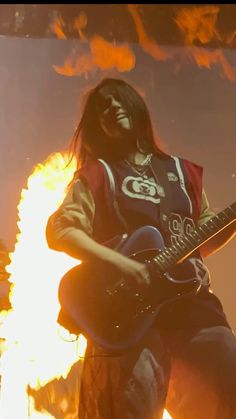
(113,118)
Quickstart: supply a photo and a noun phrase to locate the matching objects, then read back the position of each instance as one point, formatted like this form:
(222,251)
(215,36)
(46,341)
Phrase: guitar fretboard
(184,247)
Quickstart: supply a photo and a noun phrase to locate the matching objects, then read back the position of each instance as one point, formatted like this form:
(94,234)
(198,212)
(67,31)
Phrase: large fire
(35,349)
(197,24)
(41,363)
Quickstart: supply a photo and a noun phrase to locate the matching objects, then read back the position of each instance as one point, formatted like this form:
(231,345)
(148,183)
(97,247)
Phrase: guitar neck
(187,245)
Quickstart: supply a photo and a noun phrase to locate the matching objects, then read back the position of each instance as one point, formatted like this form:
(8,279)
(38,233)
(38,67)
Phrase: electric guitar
(116,315)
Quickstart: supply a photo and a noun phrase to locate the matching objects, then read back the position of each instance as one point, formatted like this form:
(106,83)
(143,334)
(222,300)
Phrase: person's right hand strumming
(79,245)
(134,272)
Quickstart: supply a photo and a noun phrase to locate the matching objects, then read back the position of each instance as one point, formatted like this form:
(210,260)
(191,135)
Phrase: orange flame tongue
(57,28)
(198,24)
(38,365)
(147,43)
(35,353)
(102,54)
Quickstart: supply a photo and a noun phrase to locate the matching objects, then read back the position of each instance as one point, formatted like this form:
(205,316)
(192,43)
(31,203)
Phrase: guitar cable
(75,339)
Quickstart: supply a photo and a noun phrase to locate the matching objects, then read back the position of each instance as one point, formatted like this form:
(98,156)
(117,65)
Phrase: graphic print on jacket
(142,188)
(139,199)
(185,181)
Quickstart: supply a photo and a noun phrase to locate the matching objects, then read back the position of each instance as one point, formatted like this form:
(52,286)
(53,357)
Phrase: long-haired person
(125,181)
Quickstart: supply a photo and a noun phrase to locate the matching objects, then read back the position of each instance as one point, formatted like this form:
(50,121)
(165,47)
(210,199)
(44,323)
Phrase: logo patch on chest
(172,177)
(139,188)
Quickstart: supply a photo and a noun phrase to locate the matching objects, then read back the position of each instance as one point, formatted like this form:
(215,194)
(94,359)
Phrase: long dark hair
(89,141)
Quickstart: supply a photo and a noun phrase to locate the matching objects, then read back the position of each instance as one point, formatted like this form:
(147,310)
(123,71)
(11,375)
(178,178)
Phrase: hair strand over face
(89,140)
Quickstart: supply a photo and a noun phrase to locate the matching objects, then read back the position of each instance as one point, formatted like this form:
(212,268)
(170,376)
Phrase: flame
(80,24)
(107,55)
(57,27)
(198,24)
(166,415)
(205,58)
(147,43)
(102,54)
(84,64)
(231,38)
(35,351)
(40,367)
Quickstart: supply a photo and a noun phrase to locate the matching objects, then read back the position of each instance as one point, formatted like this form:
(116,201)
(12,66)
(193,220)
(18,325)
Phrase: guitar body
(111,313)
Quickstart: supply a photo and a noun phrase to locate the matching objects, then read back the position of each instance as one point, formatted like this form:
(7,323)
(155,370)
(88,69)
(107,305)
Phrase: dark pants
(193,375)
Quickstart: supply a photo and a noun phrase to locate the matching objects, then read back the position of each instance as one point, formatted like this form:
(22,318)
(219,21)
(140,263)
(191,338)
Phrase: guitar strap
(159,170)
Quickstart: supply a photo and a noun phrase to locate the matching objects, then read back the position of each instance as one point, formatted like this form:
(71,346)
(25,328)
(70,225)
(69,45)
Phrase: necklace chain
(141,168)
